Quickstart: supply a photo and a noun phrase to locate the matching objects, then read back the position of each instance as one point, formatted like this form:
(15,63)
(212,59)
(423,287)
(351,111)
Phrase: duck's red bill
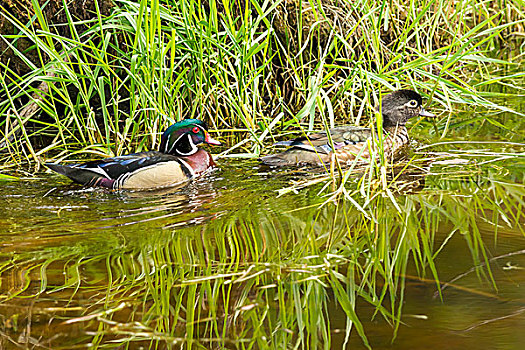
(211,140)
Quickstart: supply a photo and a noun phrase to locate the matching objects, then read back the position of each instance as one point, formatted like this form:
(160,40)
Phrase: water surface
(227,262)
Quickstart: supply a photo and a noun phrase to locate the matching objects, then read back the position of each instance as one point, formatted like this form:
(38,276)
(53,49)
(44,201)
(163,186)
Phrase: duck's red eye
(195,130)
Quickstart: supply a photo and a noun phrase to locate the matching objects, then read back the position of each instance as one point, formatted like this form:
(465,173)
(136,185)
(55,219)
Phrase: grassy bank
(253,70)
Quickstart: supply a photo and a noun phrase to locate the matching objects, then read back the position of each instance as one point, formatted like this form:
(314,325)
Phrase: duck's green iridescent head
(182,138)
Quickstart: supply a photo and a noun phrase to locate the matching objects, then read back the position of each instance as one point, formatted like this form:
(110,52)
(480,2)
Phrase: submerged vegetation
(251,257)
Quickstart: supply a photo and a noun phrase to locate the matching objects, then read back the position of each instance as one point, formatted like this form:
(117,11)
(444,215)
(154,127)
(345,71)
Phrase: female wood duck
(178,160)
(348,141)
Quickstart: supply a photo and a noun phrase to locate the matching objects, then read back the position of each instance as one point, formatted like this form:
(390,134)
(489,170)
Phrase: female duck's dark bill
(425,113)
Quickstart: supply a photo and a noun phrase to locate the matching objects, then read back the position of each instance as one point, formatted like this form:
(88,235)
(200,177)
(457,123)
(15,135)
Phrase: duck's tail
(82,176)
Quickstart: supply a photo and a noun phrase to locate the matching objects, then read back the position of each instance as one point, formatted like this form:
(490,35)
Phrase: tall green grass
(251,69)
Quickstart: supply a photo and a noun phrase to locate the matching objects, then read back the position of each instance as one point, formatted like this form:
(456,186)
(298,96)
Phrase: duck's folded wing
(341,137)
(115,167)
(350,134)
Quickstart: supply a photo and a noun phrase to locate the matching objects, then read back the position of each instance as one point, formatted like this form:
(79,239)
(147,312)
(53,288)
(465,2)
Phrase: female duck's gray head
(399,106)
(182,138)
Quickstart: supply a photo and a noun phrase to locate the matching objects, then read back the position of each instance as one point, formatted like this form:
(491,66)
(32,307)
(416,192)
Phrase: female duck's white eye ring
(412,104)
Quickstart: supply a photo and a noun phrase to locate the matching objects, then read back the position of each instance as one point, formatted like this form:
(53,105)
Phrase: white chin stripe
(193,150)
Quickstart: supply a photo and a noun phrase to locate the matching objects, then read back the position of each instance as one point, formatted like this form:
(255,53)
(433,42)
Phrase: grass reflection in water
(217,265)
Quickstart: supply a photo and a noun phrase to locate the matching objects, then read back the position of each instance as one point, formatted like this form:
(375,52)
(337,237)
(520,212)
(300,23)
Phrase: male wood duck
(348,141)
(178,160)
